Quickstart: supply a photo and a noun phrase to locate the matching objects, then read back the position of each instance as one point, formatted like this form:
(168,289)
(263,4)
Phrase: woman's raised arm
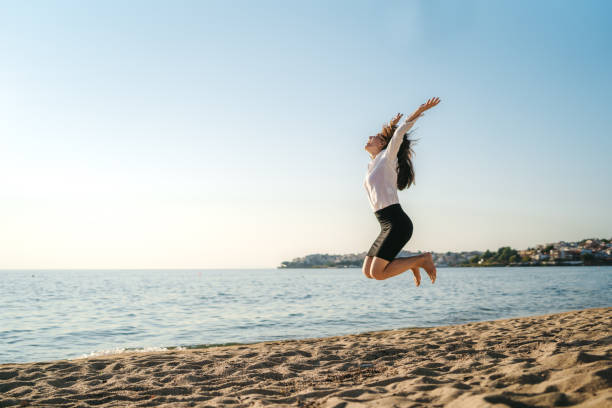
(398,135)
(427,105)
(396,140)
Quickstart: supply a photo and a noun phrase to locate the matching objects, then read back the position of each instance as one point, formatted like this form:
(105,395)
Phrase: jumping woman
(390,170)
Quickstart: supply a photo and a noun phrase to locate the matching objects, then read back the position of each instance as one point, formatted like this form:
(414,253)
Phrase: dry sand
(552,360)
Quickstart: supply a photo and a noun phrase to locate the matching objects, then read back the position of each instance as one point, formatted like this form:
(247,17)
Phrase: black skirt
(395,232)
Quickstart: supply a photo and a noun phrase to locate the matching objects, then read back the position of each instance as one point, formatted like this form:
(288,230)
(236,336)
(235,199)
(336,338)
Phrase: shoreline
(196,346)
(553,359)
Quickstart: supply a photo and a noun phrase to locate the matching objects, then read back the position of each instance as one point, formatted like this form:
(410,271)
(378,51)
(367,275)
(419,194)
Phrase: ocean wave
(119,350)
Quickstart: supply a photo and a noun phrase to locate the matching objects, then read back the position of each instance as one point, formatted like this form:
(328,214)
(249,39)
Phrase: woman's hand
(396,119)
(427,105)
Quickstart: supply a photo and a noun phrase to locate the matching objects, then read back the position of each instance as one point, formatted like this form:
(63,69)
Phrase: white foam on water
(119,350)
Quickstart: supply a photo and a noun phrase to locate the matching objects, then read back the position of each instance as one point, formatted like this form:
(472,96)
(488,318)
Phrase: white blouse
(381,178)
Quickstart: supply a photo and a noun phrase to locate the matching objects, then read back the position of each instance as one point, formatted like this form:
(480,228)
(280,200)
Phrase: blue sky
(195,134)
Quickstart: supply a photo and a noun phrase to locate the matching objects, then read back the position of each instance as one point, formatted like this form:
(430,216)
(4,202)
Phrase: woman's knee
(377,268)
(377,273)
(367,262)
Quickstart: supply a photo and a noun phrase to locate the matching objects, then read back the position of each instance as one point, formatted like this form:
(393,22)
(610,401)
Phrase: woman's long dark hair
(405,168)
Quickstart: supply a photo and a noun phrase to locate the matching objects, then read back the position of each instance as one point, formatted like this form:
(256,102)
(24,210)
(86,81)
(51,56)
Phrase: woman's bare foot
(429,266)
(417,275)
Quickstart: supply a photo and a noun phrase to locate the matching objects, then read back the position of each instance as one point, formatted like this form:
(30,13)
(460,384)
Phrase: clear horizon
(154,135)
(299,256)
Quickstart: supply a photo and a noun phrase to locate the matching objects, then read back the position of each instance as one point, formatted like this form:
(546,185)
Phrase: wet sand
(561,359)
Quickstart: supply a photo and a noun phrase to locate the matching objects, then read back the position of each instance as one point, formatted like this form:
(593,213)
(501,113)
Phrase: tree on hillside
(505,253)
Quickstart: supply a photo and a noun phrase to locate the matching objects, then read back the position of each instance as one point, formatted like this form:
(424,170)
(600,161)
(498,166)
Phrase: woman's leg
(417,275)
(383,269)
(367,264)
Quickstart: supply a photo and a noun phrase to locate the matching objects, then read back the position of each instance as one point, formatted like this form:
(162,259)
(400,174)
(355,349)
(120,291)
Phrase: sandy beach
(561,359)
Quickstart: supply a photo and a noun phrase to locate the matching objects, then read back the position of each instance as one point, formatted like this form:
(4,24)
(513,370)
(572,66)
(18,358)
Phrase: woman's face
(375,145)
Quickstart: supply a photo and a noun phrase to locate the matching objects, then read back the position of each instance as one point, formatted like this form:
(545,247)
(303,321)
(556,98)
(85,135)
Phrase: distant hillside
(593,251)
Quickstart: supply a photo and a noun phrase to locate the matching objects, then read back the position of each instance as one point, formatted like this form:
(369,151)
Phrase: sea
(49,315)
